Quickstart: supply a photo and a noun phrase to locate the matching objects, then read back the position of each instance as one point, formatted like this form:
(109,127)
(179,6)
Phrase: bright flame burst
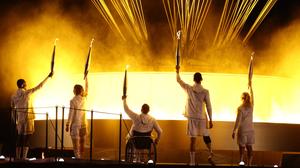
(275,97)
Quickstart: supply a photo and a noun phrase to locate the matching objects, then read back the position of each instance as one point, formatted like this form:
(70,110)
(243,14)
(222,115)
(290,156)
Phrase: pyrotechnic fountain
(160,90)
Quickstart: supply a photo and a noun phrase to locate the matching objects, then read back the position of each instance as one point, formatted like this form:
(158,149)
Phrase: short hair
(246,98)
(20,83)
(145,108)
(198,77)
(78,89)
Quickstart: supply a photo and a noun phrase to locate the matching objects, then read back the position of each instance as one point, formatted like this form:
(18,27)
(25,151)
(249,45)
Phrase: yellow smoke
(284,51)
(28,46)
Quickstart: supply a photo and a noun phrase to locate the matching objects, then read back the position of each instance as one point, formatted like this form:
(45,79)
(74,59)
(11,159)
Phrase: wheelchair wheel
(143,156)
(129,151)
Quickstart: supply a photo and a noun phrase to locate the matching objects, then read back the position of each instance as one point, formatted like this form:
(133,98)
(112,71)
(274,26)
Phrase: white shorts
(244,139)
(197,128)
(78,132)
(25,128)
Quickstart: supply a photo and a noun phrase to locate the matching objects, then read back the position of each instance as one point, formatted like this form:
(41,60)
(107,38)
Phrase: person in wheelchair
(141,129)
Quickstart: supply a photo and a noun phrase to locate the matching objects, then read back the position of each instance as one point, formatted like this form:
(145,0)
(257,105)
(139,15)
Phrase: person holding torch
(22,104)
(24,115)
(244,121)
(77,121)
(198,97)
(143,123)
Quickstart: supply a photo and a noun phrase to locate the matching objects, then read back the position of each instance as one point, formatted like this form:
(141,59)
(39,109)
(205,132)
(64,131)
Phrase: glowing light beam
(167,100)
(131,14)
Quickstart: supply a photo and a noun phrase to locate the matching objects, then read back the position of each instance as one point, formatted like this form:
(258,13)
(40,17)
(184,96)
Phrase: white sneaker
(242,163)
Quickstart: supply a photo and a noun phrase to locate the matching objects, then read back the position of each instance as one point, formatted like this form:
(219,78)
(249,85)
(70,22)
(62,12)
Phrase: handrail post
(62,130)
(47,129)
(120,137)
(91,135)
(56,125)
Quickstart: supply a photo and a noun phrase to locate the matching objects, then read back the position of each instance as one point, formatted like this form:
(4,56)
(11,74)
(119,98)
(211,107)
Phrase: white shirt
(142,122)
(197,96)
(21,101)
(77,113)
(244,119)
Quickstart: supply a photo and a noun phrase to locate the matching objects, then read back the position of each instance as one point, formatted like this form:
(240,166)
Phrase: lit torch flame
(92,42)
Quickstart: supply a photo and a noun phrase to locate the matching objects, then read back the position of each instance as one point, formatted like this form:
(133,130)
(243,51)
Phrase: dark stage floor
(70,163)
(221,159)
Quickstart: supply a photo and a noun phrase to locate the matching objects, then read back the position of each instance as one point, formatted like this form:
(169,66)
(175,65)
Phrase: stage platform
(221,159)
(70,163)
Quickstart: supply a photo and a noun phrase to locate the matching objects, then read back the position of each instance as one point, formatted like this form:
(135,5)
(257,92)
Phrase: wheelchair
(140,148)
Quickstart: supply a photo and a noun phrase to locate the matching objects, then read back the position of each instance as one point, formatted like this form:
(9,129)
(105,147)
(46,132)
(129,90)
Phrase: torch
(125,82)
(250,69)
(88,61)
(178,48)
(53,56)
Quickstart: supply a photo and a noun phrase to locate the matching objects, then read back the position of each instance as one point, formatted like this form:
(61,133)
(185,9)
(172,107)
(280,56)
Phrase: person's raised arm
(181,82)
(86,89)
(129,112)
(39,86)
(251,93)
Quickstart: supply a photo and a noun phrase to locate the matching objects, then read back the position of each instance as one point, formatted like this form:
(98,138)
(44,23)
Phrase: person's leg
(241,150)
(26,145)
(75,142)
(81,146)
(22,145)
(82,140)
(19,146)
(193,144)
(192,151)
(249,154)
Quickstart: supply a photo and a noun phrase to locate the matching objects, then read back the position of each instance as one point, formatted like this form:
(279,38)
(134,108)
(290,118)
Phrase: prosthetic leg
(207,142)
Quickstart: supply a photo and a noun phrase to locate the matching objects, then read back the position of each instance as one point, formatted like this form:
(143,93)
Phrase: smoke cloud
(30,28)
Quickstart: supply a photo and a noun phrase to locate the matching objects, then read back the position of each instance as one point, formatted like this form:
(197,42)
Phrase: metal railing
(13,118)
